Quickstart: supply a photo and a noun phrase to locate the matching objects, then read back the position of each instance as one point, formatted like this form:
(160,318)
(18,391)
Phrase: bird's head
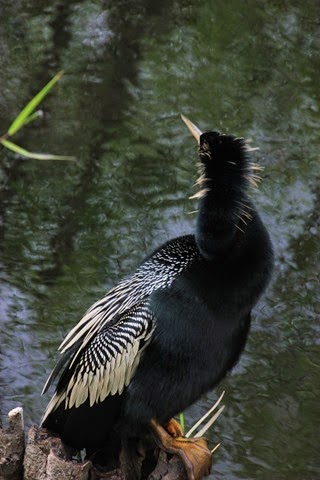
(225,172)
(224,161)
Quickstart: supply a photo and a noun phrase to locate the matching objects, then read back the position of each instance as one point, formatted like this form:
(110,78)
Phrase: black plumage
(173,329)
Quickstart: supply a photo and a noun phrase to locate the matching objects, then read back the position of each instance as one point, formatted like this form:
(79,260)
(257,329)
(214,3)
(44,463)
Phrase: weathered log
(12,446)
(45,457)
(168,468)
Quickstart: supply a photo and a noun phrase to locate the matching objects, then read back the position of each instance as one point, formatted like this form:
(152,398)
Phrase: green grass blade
(38,156)
(33,116)
(181,418)
(21,119)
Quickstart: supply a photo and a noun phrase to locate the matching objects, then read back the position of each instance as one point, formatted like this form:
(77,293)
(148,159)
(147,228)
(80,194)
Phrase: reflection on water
(68,232)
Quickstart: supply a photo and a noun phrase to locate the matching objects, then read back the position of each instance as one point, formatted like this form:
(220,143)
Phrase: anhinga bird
(171,331)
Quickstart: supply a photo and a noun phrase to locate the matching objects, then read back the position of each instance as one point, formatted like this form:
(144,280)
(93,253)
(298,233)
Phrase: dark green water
(69,231)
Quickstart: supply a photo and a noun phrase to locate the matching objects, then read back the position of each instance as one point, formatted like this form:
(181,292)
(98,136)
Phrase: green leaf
(181,418)
(23,116)
(38,156)
(33,116)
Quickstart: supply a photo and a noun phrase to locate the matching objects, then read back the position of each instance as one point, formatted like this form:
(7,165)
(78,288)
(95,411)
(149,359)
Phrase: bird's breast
(195,317)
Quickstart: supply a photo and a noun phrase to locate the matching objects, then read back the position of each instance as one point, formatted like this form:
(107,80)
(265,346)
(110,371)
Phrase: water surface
(70,231)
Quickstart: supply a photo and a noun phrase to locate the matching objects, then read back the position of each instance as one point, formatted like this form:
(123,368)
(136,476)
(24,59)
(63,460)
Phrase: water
(69,231)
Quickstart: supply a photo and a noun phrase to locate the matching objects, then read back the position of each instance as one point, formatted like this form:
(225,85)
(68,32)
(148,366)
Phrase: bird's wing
(107,364)
(157,272)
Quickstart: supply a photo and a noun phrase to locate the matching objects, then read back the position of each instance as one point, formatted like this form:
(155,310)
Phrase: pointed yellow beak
(196,132)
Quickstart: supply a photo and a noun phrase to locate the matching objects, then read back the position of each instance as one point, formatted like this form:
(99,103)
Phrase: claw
(194,452)
(174,428)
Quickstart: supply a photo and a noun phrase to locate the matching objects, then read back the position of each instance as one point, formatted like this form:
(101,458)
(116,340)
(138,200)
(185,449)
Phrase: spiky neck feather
(224,207)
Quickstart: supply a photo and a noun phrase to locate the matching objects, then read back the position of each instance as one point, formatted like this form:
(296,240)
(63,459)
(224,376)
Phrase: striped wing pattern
(109,362)
(110,338)
(159,271)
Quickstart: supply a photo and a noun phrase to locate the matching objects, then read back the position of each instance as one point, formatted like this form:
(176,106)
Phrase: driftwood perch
(45,457)
(12,446)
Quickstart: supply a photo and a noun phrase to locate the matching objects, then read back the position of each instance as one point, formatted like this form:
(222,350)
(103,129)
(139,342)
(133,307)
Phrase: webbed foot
(194,452)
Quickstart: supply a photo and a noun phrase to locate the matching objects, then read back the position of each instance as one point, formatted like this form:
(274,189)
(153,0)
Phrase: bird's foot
(174,428)
(194,452)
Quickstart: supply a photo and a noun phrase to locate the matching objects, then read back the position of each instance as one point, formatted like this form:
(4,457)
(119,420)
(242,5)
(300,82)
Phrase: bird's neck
(222,215)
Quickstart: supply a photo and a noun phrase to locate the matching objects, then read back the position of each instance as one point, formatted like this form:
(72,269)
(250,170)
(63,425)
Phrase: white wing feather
(105,347)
